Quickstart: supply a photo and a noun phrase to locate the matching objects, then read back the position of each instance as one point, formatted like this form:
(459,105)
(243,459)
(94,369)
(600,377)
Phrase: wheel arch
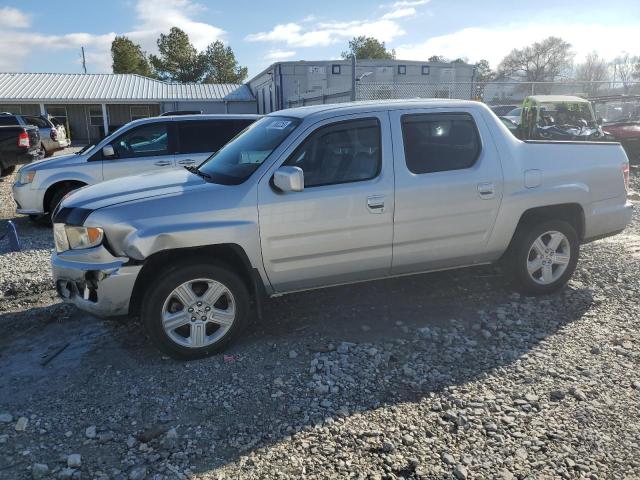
(229,255)
(572,213)
(53,188)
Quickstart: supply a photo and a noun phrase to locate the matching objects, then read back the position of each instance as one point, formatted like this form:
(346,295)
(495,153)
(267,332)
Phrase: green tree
(438,58)
(484,72)
(128,57)
(542,61)
(178,59)
(221,65)
(368,48)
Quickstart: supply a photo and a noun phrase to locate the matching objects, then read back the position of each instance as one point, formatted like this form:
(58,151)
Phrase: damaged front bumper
(94,280)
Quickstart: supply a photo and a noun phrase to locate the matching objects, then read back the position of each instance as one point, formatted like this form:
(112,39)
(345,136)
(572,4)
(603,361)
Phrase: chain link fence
(492,93)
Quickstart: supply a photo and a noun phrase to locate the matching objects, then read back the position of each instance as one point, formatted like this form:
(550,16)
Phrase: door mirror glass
(289,179)
(107,151)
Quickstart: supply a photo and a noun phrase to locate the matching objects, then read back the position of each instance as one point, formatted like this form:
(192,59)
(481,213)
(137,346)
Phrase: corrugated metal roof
(111,87)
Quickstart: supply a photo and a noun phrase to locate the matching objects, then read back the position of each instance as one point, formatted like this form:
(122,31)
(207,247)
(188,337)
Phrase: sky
(45,36)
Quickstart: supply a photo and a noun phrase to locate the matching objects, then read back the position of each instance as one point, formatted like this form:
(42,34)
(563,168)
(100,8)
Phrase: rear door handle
(162,163)
(375,203)
(486,190)
(187,161)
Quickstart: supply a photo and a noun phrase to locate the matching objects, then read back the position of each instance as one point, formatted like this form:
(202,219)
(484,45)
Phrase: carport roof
(109,88)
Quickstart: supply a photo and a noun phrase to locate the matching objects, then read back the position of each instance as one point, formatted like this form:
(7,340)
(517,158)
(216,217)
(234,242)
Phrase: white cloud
(399,13)
(409,3)
(13,18)
(153,17)
(494,43)
(327,33)
(276,55)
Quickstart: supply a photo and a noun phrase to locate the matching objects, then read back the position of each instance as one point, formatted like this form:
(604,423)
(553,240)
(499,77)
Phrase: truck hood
(136,187)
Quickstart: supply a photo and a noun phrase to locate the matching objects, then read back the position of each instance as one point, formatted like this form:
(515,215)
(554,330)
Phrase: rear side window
(208,136)
(437,142)
(340,153)
(8,120)
(37,121)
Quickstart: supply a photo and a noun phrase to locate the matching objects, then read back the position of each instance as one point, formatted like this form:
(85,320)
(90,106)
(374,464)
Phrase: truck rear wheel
(195,310)
(543,256)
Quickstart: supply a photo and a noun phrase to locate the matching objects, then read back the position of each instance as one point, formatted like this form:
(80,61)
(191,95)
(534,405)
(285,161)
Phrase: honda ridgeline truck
(333,194)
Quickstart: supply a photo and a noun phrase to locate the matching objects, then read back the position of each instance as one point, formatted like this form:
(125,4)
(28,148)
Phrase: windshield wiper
(195,171)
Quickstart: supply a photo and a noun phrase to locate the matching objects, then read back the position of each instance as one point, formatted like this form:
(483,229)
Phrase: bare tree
(593,70)
(543,61)
(623,70)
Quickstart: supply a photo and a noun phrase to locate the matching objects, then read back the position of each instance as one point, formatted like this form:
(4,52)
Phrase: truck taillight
(23,140)
(625,175)
(53,134)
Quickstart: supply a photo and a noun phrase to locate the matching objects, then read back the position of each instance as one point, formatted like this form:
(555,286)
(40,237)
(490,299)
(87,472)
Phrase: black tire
(57,197)
(160,290)
(519,255)
(4,172)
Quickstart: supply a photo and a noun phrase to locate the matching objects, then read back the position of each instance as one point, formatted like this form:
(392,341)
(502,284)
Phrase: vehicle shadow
(449,328)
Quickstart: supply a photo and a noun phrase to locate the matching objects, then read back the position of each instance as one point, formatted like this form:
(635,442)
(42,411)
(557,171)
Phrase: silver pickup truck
(325,195)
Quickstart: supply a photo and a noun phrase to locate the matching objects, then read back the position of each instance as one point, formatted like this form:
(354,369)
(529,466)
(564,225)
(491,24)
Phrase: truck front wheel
(194,311)
(543,256)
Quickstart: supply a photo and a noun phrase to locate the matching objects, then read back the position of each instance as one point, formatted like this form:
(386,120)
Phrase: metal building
(94,104)
(287,84)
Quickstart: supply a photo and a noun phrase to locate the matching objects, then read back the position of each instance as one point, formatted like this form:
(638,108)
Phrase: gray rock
(448,459)
(21,424)
(39,470)
(74,460)
(578,394)
(6,417)
(460,472)
(90,432)
(293,354)
(138,473)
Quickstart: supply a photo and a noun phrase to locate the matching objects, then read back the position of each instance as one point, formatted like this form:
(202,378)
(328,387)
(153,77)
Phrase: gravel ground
(391,379)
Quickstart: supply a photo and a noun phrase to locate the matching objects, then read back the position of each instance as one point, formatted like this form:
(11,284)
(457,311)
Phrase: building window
(139,111)
(335,69)
(95,116)
(425,69)
(402,69)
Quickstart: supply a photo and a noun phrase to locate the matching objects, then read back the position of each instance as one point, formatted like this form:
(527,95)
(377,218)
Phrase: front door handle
(163,163)
(486,190)
(375,203)
(187,161)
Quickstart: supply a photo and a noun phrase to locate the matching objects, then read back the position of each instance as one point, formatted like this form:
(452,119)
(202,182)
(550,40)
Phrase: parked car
(514,115)
(510,124)
(502,110)
(181,112)
(332,194)
(620,118)
(19,144)
(559,117)
(53,134)
(145,145)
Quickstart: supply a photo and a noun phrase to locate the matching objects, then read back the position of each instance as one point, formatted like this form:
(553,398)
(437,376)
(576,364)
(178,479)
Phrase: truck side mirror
(108,151)
(289,179)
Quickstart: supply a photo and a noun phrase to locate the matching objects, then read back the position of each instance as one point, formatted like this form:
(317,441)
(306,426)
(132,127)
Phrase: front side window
(340,153)
(147,140)
(238,159)
(198,136)
(437,142)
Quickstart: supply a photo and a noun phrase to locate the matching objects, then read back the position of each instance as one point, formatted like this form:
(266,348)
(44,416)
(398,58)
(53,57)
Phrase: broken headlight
(76,238)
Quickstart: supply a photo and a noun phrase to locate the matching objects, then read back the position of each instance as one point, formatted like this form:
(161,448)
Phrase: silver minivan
(141,146)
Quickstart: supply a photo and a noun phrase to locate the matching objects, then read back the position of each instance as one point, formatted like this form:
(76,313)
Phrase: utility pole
(84,63)
(353,77)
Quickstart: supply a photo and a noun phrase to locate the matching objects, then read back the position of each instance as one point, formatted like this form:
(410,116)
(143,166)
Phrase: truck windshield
(238,159)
